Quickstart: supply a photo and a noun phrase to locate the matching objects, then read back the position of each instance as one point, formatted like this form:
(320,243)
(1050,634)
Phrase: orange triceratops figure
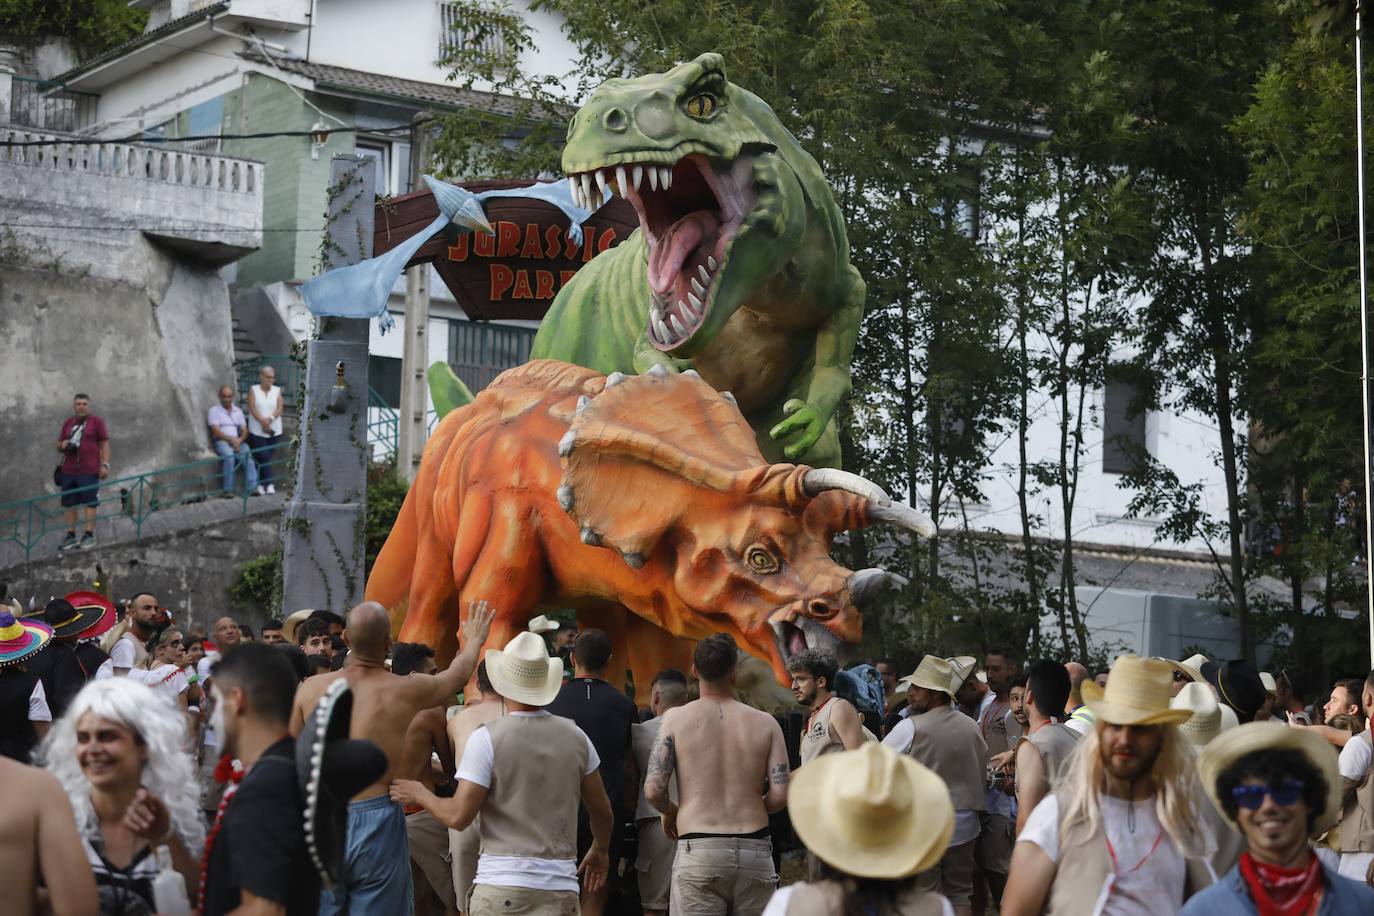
(561,487)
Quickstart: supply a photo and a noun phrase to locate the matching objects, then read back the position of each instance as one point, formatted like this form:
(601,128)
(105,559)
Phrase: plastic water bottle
(169,888)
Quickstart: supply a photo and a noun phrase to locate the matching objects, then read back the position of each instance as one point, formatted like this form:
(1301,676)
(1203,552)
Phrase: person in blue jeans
(229,435)
(1278,785)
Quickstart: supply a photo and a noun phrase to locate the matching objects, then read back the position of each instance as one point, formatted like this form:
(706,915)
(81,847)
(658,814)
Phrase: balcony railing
(46,105)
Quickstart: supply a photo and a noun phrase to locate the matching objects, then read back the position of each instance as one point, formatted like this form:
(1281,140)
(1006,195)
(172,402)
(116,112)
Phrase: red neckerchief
(1279,891)
(228,771)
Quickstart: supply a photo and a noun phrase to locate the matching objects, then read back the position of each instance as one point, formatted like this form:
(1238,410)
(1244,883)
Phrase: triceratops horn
(866,584)
(818,480)
(903,515)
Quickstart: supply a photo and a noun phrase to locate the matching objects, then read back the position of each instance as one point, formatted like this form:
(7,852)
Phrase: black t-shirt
(260,848)
(606,715)
(60,671)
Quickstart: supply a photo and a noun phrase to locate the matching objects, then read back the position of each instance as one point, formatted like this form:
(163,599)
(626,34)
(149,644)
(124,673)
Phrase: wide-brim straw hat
(109,614)
(292,623)
(933,673)
(542,624)
(67,620)
(1138,692)
(1204,723)
(1270,685)
(524,672)
(871,813)
(1245,739)
(21,637)
(963,666)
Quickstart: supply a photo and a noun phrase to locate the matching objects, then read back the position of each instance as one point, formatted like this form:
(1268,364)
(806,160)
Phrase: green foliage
(258,583)
(92,26)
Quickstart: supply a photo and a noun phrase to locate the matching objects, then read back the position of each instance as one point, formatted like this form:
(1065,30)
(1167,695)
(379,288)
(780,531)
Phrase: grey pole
(322,525)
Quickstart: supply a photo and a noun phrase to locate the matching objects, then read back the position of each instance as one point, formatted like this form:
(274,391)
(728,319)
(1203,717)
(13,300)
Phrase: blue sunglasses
(1283,794)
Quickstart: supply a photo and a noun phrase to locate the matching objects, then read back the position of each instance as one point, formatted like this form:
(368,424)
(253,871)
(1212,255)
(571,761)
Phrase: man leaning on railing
(84,444)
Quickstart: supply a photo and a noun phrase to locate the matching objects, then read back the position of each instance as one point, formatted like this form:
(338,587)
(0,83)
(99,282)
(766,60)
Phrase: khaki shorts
(465,848)
(429,850)
(654,864)
(722,876)
(953,876)
(488,900)
(993,849)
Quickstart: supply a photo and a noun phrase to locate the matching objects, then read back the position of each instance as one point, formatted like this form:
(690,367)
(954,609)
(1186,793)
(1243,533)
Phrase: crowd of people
(319,767)
(245,437)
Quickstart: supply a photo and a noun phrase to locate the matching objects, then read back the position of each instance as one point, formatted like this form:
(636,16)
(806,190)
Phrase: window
(1123,426)
(478,351)
(379,153)
(462,27)
(384,375)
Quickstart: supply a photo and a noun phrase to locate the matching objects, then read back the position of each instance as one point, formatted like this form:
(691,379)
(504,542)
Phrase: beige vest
(949,743)
(826,898)
(1085,865)
(536,786)
(996,727)
(1357,817)
(1055,743)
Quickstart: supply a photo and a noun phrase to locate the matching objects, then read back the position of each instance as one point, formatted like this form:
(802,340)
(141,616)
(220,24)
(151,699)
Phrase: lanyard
(817,712)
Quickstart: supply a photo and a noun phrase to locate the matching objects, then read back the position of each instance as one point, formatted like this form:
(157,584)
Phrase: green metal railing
(26,522)
(288,375)
(384,429)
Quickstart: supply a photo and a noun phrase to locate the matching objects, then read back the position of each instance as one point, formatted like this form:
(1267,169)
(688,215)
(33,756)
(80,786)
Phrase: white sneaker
(271,488)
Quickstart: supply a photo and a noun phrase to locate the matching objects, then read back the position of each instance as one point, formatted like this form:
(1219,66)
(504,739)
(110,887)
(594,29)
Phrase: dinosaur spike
(582,403)
(729,397)
(615,378)
(591,538)
(565,497)
(565,445)
(634,560)
(691,373)
(658,370)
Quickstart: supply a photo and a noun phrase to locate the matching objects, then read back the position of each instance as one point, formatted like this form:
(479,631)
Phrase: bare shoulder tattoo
(662,762)
(780,775)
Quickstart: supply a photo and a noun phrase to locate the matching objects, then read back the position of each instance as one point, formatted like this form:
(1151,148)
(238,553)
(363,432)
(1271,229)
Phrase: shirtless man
(426,736)
(732,772)
(833,724)
(383,706)
(465,845)
(38,838)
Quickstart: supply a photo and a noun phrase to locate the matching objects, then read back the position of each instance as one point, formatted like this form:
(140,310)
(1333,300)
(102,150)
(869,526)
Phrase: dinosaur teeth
(601,182)
(665,178)
(578,200)
(653,178)
(697,287)
(620,183)
(711,262)
(586,182)
(677,325)
(705,277)
(637,174)
(662,329)
(693,312)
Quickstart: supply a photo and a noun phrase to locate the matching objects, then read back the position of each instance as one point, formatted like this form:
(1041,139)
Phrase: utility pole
(413,431)
(1365,342)
(322,525)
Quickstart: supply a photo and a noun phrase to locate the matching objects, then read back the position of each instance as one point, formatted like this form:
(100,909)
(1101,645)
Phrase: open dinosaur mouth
(689,213)
(796,636)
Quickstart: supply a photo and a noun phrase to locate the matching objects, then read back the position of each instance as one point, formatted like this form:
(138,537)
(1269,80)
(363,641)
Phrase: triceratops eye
(761,561)
(702,105)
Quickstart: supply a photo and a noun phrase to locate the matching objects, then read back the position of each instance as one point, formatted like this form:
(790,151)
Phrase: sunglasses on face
(1284,794)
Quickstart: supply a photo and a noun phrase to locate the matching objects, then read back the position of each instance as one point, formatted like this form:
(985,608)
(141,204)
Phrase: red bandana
(1279,891)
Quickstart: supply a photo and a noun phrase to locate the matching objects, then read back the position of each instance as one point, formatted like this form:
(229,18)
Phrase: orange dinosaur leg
(441,569)
(653,649)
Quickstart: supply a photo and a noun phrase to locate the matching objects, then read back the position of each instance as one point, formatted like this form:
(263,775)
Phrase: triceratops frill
(562,487)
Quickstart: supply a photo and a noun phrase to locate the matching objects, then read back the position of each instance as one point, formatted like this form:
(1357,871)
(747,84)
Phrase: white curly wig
(169,773)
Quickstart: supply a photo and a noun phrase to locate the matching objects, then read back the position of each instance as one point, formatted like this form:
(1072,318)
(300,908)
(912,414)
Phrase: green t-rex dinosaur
(739,269)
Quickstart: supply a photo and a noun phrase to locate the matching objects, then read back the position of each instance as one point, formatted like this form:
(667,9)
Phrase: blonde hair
(1177,790)
(157,641)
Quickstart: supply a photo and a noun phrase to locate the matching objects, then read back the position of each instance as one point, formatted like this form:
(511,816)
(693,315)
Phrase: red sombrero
(109,614)
(20,637)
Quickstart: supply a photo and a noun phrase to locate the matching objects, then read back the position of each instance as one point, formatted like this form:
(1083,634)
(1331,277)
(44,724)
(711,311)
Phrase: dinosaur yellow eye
(761,561)
(701,106)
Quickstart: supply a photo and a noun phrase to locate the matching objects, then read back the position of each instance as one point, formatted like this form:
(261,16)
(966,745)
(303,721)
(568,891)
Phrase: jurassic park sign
(514,272)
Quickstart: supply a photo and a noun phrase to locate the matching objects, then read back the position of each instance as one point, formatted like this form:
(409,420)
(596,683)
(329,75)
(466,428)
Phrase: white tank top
(264,404)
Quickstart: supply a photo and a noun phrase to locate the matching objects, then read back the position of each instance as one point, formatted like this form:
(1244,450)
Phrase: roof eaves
(147,38)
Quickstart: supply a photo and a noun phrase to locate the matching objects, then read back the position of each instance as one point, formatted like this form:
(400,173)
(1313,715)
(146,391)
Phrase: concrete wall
(189,571)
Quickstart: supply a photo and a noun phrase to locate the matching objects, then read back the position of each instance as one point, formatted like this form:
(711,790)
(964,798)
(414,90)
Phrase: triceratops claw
(565,497)
(634,560)
(615,378)
(582,403)
(658,370)
(565,445)
(590,537)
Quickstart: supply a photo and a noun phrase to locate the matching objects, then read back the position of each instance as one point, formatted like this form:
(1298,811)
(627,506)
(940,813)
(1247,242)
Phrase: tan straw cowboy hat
(963,666)
(1205,722)
(1137,693)
(933,673)
(291,624)
(871,813)
(523,671)
(1245,739)
(542,624)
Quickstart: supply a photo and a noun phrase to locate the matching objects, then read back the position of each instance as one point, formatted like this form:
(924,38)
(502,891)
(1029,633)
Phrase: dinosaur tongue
(677,244)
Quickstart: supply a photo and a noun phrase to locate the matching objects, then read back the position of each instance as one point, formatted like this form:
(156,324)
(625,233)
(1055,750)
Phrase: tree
(92,26)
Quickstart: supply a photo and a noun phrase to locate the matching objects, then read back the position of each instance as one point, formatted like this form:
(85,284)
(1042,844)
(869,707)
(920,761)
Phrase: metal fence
(288,375)
(27,522)
(46,105)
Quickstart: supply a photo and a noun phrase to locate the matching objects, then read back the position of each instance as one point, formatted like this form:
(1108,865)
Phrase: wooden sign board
(516,272)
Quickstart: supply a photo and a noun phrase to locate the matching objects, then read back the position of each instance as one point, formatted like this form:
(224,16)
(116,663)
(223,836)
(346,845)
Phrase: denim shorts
(73,495)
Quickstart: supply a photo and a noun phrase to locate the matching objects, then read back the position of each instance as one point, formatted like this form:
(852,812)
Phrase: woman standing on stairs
(264,425)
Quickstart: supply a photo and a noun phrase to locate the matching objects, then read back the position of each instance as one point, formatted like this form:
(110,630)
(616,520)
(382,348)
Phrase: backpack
(862,685)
